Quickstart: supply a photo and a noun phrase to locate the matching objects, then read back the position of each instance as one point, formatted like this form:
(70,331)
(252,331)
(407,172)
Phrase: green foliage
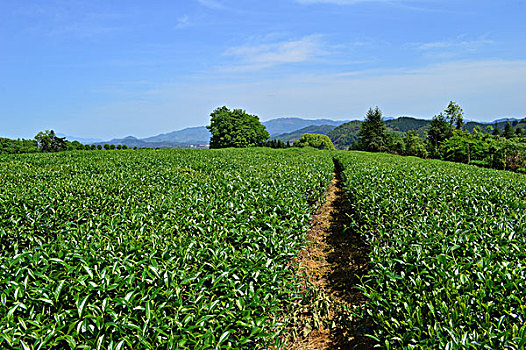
(49,142)
(484,150)
(496,131)
(167,249)
(447,249)
(316,141)
(439,131)
(8,146)
(311,129)
(235,128)
(276,144)
(455,115)
(508,131)
(343,136)
(74,145)
(414,146)
(507,155)
(346,134)
(373,133)
(406,124)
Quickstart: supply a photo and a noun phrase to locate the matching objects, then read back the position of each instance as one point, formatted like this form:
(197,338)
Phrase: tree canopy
(508,131)
(439,131)
(454,114)
(373,133)
(49,142)
(235,128)
(318,141)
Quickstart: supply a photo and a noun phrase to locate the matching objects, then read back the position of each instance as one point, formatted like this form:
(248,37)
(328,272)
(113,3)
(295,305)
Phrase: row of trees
(446,140)
(48,141)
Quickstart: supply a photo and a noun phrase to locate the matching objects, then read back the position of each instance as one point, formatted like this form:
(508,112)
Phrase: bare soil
(332,263)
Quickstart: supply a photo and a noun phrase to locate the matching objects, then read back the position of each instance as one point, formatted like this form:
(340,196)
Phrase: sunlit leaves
(152,249)
(448,251)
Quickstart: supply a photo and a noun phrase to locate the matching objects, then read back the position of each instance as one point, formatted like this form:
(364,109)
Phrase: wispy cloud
(253,57)
(454,47)
(458,43)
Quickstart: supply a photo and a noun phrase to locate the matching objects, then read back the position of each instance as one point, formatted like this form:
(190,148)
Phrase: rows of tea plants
(181,249)
(448,251)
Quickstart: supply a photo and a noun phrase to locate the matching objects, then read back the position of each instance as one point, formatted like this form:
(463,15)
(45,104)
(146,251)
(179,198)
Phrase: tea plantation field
(192,249)
(152,249)
(448,251)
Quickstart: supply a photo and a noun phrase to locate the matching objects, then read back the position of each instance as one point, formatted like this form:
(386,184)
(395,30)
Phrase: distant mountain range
(342,133)
(200,136)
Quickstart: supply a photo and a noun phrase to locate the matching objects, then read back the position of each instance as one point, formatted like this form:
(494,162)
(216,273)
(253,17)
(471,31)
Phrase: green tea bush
(448,251)
(168,249)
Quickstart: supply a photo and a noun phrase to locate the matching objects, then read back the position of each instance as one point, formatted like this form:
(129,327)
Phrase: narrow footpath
(333,261)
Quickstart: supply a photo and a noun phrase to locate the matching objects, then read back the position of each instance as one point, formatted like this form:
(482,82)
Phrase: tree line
(47,141)
(447,140)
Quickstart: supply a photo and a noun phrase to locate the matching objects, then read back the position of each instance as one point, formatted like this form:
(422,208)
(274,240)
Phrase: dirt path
(332,261)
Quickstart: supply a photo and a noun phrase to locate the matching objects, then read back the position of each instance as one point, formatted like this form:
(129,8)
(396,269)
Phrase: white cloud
(259,56)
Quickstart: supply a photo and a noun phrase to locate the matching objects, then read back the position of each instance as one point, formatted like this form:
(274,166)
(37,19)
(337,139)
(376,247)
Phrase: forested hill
(344,135)
(311,129)
(405,124)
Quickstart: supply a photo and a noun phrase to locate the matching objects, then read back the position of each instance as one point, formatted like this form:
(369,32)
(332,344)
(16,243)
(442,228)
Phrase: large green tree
(235,128)
(372,136)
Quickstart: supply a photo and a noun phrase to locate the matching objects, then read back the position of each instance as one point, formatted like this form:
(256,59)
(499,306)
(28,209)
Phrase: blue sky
(115,68)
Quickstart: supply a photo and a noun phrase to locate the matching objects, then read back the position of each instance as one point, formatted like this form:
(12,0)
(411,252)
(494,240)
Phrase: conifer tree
(373,133)
(508,131)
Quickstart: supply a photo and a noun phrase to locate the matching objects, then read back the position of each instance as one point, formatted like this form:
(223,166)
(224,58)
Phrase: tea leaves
(175,249)
(448,257)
